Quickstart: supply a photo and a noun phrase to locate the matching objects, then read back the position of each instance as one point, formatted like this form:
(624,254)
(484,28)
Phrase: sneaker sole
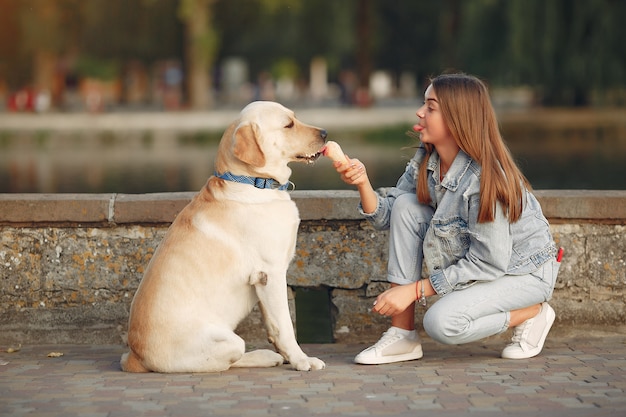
(416,354)
(550,317)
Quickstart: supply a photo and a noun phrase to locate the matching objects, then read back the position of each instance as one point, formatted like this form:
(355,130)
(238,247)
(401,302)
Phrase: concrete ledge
(149,208)
(70,263)
(560,205)
(595,205)
(55,208)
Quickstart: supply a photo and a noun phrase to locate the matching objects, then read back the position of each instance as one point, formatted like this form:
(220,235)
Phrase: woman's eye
(290,125)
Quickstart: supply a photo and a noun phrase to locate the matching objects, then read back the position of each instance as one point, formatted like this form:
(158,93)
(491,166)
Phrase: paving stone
(572,377)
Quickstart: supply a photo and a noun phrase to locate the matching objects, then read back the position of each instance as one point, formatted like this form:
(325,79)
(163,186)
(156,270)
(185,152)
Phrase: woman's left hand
(395,300)
(352,171)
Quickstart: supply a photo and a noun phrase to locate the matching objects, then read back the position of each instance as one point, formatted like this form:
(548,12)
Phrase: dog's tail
(131,363)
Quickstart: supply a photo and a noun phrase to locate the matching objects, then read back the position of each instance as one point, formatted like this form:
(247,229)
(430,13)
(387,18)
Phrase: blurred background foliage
(569,53)
(556,69)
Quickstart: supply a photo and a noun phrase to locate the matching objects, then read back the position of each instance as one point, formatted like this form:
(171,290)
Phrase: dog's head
(264,139)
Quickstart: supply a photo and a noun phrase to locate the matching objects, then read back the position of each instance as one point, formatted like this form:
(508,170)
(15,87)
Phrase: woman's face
(431,126)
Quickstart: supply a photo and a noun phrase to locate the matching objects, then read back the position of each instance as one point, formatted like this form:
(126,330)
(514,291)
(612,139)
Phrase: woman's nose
(420,112)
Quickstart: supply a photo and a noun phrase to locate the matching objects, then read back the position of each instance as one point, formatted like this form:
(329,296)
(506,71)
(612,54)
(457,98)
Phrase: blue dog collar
(262,183)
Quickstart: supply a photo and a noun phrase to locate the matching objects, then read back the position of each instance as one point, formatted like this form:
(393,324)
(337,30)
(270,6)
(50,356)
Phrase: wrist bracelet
(422,299)
(417,292)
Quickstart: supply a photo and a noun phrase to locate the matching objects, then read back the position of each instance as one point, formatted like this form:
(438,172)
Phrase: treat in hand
(333,151)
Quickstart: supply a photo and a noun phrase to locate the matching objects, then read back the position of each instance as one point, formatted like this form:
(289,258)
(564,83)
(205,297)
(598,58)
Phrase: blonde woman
(464,208)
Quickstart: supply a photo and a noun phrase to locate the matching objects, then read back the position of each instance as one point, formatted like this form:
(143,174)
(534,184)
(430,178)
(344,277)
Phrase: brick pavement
(576,375)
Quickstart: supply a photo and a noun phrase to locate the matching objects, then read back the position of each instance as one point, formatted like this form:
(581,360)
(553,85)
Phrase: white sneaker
(393,346)
(529,337)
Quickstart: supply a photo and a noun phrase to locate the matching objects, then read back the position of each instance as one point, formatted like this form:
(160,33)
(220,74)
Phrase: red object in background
(22,100)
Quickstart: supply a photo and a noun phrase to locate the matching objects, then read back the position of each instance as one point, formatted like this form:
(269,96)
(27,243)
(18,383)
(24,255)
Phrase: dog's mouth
(309,158)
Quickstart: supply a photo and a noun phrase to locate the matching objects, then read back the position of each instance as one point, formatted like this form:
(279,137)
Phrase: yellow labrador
(227,250)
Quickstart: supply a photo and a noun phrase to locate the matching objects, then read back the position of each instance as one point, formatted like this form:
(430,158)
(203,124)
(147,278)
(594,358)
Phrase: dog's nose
(323,134)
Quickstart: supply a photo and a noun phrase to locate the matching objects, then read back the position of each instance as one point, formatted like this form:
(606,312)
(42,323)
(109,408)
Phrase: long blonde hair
(469,115)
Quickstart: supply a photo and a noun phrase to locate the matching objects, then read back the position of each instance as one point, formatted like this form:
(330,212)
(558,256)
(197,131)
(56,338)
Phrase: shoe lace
(388,338)
(520,332)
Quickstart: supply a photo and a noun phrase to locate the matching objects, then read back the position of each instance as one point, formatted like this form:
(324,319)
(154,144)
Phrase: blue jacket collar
(262,183)
(457,170)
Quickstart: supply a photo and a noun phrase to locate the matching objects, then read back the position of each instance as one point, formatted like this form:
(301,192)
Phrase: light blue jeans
(468,314)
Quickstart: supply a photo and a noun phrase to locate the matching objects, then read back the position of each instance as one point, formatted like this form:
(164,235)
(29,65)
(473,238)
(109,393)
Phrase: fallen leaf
(13,349)
(55,354)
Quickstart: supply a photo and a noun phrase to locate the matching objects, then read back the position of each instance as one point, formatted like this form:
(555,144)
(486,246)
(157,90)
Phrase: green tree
(120,30)
(568,49)
(407,38)
(483,37)
(48,29)
(263,31)
(570,52)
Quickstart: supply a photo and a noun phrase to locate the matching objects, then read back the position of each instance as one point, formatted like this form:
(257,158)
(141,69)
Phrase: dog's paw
(316,364)
(262,358)
(308,364)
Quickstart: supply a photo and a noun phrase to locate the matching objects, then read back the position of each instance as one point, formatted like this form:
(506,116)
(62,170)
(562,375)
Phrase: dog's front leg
(272,293)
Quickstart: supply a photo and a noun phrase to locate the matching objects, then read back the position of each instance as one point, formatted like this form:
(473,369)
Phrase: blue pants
(469,314)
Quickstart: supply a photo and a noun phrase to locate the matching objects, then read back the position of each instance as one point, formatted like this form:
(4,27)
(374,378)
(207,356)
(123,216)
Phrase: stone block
(55,208)
(149,208)
(338,255)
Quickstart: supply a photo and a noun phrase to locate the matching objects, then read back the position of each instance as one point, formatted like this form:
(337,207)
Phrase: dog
(226,251)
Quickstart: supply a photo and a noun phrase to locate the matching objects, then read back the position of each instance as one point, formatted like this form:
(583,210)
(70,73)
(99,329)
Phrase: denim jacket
(458,250)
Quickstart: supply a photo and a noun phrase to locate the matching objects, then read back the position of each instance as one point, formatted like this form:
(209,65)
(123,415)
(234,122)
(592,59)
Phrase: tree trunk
(200,46)
(364,51)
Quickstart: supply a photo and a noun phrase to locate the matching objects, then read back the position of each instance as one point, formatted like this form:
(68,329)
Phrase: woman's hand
(352,172)
(395,300)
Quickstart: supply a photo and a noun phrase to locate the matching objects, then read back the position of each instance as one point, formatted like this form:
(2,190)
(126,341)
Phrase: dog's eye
(290,125)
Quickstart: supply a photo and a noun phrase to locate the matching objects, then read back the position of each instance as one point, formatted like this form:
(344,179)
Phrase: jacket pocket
(453,234)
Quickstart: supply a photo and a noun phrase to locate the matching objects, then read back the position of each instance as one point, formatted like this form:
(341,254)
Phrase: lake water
(555,149)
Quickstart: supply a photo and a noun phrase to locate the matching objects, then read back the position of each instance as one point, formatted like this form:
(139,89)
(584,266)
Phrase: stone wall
(70,263)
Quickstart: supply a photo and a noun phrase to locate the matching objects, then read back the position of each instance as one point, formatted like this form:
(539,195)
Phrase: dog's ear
(246,147)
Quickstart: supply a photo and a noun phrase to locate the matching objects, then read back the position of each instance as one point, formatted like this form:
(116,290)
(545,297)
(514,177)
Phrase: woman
(464,208)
